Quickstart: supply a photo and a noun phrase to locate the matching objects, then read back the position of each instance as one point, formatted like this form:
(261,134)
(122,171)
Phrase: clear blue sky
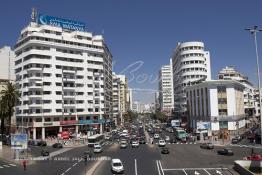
(148,31)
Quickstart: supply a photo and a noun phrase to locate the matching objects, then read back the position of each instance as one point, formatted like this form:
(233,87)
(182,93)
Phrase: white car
(135,144)
(117,166)
(161,143)
(167,139)
(123,144)
(156,136)
(97,148)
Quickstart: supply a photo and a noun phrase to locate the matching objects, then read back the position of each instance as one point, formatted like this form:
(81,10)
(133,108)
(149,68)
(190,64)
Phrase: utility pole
(254,31)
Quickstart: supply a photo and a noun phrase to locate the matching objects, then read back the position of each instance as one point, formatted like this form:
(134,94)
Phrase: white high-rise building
(7,68)
(166,95)
(120,97)
(64,75)
(191,65)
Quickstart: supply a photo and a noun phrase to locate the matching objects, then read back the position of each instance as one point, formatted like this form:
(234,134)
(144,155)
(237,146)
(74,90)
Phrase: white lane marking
(207,172)
(6,166)
(161,168)
(12,164)
(135,168)
(62,173)
(184,171)
(172,169)
(158,168)
(1,167)
(75,164)
(68,170)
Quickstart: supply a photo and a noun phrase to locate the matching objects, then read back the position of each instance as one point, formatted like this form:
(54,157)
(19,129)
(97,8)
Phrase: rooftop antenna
(33,14)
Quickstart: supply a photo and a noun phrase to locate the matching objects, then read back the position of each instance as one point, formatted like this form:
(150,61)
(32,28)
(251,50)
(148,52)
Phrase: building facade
(190,65)
(166,95)
(218,104)
(65,80)
(7,71)
(229,73)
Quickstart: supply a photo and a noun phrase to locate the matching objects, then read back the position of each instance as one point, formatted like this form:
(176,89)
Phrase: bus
(180,134)
(95,139)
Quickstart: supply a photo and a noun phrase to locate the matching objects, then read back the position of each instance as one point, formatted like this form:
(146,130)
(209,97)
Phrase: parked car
(97,148)
(156,136)
(235,141)
(165,150)
(57,145)
(41,143)
(123,144)
(44,152)
(173,140)
(117,166)
(108,137)
(167,139)
(134,144)
(142,141)
(225,152)
(161,142)
(207,146)
(253,157)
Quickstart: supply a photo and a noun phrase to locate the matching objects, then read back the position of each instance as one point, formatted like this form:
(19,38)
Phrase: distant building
(219,103)
(190,66)
(7,64)
(120,97)
(166,95)
(7,73)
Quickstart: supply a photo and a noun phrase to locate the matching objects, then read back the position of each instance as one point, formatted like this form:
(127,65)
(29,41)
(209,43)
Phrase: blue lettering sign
(59,22)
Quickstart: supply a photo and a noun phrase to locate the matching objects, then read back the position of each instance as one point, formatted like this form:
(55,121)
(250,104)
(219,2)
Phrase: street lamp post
(254,31)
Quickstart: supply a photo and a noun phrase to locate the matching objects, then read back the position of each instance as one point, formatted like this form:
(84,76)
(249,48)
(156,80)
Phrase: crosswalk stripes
(7,166)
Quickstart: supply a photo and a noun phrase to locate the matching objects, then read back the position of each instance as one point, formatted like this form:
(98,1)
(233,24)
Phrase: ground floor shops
(43,130)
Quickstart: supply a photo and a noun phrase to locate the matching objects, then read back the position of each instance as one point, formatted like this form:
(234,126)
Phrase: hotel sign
(59,22)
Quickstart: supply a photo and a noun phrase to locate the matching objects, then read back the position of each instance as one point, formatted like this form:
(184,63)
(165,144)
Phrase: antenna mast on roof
(33,14)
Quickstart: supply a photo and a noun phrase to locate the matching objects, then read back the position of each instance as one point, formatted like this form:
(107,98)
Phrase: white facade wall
(213,107)
(7,64)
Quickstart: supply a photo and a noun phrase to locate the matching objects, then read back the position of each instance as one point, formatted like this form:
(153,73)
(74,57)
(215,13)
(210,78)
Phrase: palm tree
(9,98)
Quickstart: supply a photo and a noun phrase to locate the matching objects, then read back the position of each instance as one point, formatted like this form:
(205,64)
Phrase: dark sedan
(41,143)
(57,145)
(165,150)
(44,152)
(225,152)
(142,141)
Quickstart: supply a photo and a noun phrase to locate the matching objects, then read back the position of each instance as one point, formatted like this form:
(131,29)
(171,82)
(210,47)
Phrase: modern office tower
(166,95)
(191,65)
(64,75)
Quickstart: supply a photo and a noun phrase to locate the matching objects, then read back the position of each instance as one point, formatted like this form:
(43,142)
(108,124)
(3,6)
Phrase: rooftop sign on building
(59,22)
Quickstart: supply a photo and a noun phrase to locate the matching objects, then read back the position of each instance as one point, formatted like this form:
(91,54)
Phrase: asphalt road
(184,159)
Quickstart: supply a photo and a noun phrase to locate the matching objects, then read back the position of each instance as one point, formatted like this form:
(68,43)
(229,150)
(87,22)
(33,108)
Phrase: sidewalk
(8,154)
(218,142)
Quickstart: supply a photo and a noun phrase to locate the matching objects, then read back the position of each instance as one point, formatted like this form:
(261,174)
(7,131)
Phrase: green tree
(9,98)
(130,116)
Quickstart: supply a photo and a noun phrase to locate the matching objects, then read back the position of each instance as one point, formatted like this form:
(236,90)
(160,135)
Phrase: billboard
(175,123)
(203,125)
(59,22)
(18,141)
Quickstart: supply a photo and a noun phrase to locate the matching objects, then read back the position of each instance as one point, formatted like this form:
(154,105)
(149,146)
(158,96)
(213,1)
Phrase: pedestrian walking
(24,164)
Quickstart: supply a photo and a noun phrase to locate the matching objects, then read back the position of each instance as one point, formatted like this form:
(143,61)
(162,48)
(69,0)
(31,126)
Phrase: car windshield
(117,164)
